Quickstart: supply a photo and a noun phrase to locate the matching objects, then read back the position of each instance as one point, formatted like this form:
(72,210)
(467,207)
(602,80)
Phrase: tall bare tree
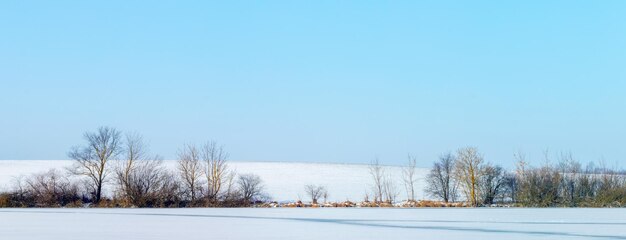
(92,160)
(468,171)
(377,172)
(440,179)
(230,190)
(190,170)
(492,183)
(134,151)
(250,186)
(215,169)
(518,184)
(409,177)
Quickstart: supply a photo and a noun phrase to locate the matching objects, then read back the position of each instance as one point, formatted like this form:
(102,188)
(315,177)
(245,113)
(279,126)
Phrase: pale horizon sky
(320,81)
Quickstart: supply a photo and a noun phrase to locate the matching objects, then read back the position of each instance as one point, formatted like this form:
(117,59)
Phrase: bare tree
(511,187)
(215,168)
(168,190)
(251,186)
(140,177)
(190,170)
(315,192)
(231,192)
(390,190)
(440,179)
(519,185)
(409,177)
(134,151)
(92,160)
(468,171)
(146,182)
(492,183)
(377,172)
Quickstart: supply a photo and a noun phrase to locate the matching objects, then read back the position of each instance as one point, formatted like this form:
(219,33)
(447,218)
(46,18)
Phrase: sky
(318,81)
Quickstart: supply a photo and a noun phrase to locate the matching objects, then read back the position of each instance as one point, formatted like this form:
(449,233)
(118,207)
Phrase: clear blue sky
(324,81)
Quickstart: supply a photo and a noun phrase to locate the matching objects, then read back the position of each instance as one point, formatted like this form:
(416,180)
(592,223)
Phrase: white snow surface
(326,224)
(283,181)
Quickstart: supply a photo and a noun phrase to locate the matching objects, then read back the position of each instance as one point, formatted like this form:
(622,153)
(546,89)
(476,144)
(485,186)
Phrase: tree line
(202,178)
(139,179)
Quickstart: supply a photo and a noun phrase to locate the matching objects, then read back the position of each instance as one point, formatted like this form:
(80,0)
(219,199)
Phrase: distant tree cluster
(567,183)
(468,177)
(137,178)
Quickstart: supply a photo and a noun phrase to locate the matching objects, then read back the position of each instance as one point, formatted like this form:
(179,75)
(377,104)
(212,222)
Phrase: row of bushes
(57,189)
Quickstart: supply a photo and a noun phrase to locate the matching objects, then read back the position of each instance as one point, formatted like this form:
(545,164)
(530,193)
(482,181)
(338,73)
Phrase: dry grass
(368,204)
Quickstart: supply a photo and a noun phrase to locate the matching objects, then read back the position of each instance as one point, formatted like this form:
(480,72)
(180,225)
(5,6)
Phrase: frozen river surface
(319,224)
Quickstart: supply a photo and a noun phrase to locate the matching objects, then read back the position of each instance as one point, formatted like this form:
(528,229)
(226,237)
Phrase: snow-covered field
(326,224)
(283,181)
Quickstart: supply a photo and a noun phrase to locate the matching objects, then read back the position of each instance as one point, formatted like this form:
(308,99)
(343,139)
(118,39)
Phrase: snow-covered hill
(284,181)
